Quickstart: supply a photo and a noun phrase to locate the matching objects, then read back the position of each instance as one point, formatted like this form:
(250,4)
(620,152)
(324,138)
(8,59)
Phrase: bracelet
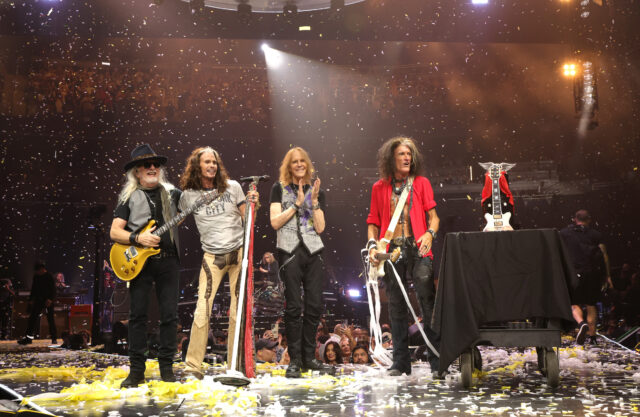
(133,238)
(371,242)
(316,207)
(295,206)
(433,233)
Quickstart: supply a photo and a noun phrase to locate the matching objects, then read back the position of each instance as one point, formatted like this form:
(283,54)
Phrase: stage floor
(601,380)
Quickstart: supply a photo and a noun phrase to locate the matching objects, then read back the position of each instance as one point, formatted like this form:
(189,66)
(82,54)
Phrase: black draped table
(498,276)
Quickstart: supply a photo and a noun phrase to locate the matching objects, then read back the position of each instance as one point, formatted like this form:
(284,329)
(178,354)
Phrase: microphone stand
(233,376)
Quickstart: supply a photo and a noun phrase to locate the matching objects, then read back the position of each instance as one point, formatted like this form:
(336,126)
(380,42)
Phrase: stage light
(272,56)
(479,1)
(353,293)
(304,28)
(569,70)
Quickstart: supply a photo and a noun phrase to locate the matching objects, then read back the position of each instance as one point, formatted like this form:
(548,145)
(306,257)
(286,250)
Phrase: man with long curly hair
(147,195)
(219,224)
(400,165)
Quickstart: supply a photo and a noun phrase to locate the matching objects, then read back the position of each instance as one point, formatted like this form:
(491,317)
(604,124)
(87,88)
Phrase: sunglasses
(149,164)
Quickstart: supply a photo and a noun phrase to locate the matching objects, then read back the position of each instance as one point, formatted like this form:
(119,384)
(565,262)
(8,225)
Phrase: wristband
(316,207)
(370,243)
(133,238)
(297,207)
(433,233)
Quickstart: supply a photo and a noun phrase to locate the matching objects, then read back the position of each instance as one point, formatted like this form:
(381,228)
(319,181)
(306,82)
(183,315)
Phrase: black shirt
(154,198)
(43,287)
(583,242)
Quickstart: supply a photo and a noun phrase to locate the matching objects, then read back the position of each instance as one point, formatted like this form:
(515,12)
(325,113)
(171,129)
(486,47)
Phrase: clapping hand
(315,191)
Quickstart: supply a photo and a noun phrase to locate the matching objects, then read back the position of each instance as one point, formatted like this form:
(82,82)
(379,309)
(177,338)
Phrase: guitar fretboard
(207,198)
(495,193)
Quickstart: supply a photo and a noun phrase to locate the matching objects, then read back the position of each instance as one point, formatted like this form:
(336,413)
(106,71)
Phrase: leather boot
(293,370)
(293,330)
(133,380)
(316,365)
(166,373)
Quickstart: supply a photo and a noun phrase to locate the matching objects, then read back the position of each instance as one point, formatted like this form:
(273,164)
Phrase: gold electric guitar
(128,260)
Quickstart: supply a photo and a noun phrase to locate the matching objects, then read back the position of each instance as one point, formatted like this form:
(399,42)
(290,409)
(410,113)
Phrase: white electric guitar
(497,218)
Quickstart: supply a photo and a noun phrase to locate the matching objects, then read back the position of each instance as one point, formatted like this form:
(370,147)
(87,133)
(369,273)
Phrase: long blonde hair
(285,168)
(132,183)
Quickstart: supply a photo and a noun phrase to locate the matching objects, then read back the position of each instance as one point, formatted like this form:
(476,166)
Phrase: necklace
(398,189)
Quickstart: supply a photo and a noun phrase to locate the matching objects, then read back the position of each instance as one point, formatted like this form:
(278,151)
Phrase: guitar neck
(495,196)
(175,220)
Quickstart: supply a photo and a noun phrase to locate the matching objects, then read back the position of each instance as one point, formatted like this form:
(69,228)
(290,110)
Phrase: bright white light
(479,1)
(272,56)
(354,293)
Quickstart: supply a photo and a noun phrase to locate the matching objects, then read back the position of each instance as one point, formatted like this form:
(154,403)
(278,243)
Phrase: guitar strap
(398,211)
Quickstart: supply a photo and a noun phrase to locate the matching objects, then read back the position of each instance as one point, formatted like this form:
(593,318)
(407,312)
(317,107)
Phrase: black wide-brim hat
(144,153)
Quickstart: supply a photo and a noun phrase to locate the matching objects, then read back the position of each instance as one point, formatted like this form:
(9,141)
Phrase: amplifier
(80,318)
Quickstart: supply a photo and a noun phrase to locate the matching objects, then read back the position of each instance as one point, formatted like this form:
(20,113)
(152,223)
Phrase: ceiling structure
(275,6)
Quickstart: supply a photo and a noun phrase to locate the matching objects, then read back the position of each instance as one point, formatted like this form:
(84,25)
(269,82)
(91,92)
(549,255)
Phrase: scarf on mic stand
(249,359)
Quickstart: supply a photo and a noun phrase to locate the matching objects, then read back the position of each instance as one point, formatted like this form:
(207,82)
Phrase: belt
(402,241)
(164,254)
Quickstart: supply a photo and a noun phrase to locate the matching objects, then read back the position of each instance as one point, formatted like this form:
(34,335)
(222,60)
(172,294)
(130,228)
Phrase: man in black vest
(147,195)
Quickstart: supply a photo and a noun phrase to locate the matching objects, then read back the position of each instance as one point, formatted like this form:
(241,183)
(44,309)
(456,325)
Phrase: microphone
(255,178)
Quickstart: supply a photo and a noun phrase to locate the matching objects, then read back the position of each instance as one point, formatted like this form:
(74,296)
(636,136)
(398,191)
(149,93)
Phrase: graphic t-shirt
(219,222)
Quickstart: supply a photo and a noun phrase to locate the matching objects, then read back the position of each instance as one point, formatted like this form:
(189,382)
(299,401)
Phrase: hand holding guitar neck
(373,256)
(149,240)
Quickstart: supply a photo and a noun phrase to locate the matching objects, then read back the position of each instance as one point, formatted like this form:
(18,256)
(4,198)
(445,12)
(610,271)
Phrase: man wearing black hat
(147,195)
(43,294)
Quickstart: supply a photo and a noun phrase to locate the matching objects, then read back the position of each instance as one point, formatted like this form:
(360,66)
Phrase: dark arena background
(550,85)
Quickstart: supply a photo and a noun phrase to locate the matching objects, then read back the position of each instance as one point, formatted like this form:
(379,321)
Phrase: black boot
(293,370)
(316,365)
(166,373)
(25,341)
(133,380)
(293,330)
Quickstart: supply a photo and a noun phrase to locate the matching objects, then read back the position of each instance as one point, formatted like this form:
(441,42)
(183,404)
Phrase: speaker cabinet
(80,318)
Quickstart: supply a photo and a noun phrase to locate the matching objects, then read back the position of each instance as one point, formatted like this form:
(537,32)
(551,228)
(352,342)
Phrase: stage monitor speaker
(80,318)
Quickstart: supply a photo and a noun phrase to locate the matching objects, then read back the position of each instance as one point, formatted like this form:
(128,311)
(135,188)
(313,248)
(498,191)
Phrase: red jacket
(380,209)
